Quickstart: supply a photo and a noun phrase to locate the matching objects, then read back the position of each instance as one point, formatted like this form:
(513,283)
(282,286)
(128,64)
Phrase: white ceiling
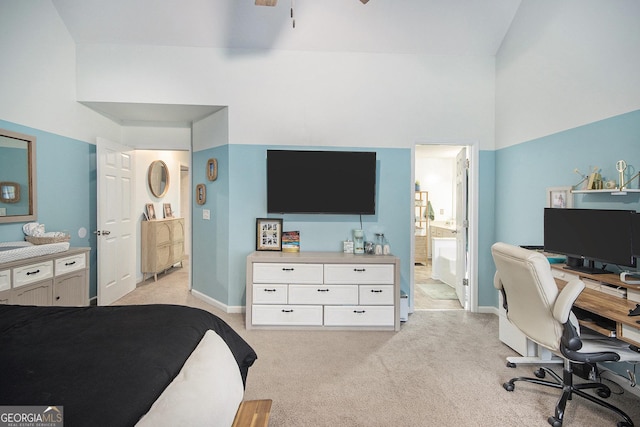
(432,27)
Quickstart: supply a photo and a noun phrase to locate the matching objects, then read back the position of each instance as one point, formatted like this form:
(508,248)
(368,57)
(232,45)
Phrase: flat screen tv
(591,235)
(321,182)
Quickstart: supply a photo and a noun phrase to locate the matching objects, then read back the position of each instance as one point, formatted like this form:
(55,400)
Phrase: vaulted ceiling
(431,27)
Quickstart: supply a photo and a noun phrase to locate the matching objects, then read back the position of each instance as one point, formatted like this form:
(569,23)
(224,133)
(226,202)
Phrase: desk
(611,307)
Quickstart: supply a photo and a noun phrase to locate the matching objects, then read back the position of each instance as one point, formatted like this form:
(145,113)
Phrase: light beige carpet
(444,368)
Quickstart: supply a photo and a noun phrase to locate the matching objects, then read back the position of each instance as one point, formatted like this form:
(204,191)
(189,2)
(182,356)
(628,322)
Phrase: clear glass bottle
(386,248)
(379,243)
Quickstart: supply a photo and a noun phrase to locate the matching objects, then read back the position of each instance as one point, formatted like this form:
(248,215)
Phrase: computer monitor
(635,235)
(590,235)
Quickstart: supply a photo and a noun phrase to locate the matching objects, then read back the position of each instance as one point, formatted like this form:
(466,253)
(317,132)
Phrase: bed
(155,365)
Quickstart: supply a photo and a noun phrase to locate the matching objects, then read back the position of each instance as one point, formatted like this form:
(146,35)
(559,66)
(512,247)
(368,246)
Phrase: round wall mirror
(158,178)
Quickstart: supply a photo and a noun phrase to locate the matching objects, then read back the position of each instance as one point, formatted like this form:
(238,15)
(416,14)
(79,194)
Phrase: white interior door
(462,226)
(116,224)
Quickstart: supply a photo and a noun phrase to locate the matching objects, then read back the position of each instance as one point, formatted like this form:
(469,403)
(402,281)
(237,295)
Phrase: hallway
(428,294)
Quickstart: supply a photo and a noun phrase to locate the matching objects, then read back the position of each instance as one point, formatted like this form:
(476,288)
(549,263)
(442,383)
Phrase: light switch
(206,214)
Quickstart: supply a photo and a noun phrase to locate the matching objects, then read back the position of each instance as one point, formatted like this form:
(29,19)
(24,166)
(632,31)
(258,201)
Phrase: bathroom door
(462,226)
(116,223)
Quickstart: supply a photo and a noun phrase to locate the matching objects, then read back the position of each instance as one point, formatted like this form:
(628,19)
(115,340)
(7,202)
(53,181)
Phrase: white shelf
(613,192)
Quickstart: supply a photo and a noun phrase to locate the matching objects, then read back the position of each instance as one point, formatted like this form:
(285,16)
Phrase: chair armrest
(497,283)
(565,300)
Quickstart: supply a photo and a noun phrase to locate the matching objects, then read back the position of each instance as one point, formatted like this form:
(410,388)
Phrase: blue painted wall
(523,173)
(66,190)
(238,197)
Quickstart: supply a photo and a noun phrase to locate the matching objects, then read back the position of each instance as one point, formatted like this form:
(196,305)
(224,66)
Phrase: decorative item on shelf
(201,194)
(369,248)
(151,211)
(269,234)
(291,241)
(166,209)
(347,246)
(417,185)
(212,169)
(358,241)
(632,178)
(386,247)
(584,178)
(621,166)
(559,197)
(595,180)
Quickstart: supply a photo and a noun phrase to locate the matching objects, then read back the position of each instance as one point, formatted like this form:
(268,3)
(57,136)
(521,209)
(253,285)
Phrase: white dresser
(323,290)
(58,279)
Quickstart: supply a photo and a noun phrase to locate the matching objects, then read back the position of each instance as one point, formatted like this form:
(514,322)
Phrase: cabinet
(162,243)
(58,279)
(322,290)
(421,239)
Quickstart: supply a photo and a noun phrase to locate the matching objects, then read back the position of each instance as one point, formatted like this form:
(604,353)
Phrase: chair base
(568,390)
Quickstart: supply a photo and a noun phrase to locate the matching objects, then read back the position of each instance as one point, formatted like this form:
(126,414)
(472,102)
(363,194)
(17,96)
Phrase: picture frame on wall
(559,197)
(212,169)
(151,211)
(269,234)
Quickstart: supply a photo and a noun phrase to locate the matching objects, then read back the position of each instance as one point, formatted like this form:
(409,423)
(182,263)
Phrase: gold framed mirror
(158,178)
(18,177)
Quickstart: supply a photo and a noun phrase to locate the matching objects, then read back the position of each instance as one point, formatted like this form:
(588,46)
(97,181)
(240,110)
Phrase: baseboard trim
(214,302)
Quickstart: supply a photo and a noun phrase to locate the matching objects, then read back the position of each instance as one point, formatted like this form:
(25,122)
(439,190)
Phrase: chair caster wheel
(555,422)
(509,386)
(603,392)
(540,373)
(511,365)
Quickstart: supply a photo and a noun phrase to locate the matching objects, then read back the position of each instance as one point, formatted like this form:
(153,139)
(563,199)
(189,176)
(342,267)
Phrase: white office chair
(536,307)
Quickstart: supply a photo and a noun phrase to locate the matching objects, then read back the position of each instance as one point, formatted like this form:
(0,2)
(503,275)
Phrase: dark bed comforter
(105,365)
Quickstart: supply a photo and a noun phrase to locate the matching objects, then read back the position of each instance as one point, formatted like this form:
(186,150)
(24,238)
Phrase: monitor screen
(327,182)
(602,235)
(635,226)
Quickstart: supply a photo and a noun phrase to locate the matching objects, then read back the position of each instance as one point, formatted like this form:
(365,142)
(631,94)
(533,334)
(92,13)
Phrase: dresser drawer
(270,294)
(323,294)
(293,315)
(70,263)
(32,273)
(287,273)
(358,315)
(359,273)
(376,295)
(5,280)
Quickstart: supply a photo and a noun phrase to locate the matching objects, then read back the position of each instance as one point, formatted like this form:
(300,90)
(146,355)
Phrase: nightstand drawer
(293,315)
(270,294)
(376,294)
(323,294)
(287,273)
(359,273)
(32,273)
(358,315)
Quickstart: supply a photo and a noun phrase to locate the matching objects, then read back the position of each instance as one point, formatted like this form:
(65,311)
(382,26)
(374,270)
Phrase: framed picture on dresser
(269,234)
(151,211)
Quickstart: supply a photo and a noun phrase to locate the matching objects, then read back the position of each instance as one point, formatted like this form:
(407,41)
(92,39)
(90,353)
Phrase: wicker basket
(47,240)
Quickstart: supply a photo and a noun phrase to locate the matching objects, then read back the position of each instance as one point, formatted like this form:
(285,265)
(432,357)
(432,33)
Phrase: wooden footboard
(253,413)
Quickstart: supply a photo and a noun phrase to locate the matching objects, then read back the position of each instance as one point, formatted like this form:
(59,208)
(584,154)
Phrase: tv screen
(635,238)
(326,182)
(602,235)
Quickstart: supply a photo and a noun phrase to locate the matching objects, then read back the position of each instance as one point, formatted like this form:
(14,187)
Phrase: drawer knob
(287,311)
(359,270)
(359,311)
(33,272)
(269,290)
(287,269)
(376,291)
(69,263)
(323,290)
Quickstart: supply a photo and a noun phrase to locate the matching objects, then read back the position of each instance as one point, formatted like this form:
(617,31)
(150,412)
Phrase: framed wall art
(201,194)
(212,169)
(559,197)
(269,234)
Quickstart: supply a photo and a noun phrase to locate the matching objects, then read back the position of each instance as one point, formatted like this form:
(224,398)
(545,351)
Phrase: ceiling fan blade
(268,2)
